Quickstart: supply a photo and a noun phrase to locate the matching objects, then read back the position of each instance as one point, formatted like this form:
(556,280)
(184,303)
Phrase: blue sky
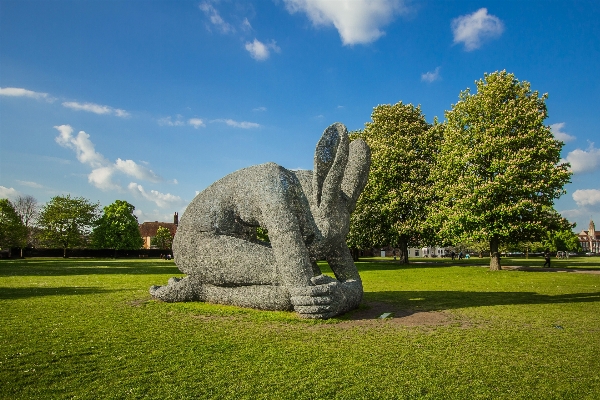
(152,101)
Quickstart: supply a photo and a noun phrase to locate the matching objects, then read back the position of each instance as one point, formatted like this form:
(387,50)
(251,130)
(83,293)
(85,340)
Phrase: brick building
(590,239)
(148,229)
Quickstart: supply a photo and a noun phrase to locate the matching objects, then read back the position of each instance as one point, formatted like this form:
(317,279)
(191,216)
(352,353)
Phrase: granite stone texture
(306,215)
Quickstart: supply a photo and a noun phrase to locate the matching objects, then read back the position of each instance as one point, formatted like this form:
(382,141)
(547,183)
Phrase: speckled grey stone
(307,216)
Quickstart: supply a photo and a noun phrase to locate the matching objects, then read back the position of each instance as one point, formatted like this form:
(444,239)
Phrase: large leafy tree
(12,231)
(118,228)
(498,170)
(66,222)
(163,239)
(393,206)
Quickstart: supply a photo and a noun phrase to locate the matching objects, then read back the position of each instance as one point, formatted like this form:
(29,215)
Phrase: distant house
(590,239)
(148,229)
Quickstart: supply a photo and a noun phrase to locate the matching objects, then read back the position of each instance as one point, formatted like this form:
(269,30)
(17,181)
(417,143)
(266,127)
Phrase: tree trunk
(494,255)
(355,253)
(64,252)
(403,249)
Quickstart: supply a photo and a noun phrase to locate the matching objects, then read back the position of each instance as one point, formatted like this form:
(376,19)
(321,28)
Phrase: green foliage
(66,222)
(563,240)
(12,231)
(262,234)
(118,228)
(163,239)
(88,329)
(393,205)
(498,170)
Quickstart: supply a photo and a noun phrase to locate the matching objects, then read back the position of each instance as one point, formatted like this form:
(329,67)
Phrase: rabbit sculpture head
(341,171)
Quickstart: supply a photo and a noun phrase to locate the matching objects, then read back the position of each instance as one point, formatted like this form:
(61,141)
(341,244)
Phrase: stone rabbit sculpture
(307,217)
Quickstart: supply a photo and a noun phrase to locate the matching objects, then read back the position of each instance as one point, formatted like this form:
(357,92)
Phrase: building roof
(150,228)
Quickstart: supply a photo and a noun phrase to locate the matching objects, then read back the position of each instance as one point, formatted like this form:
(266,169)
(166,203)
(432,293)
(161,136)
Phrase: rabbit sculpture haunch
(307,216)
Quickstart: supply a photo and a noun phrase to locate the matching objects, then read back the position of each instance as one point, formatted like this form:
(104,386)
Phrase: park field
(87,329)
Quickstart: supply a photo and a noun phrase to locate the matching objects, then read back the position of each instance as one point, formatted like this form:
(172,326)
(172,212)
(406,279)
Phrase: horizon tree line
(487,177)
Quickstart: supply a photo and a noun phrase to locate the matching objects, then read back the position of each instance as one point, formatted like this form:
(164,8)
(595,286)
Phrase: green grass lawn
(87,329)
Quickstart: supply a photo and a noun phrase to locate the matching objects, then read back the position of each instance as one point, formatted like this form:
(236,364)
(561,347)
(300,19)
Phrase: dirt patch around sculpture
(370,314)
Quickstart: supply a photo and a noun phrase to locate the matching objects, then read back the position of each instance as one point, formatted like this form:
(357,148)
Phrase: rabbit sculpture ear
(331,157)
(356,174)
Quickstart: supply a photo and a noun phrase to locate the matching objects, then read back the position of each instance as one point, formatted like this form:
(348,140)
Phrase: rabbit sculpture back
(306,215)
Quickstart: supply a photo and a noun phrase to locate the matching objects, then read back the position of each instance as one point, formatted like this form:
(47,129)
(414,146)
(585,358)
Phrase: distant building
(148,229)
(590,239)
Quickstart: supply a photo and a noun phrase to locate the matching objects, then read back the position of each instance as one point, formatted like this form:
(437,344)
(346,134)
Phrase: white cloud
(196,122)
(559,134)
(472,29)
(8,193)
(216,19)
(121,113)
(102,169)
(20,92)
(131,168)
(179,121)
(236,124)
(154,215)
(162,200)
(102,178)
(431,76)
(260,51)
(30,184)
(246,27)
(81,144)
(357,21)
(261,109)
(584,160)
(95,108)
(585,197)
(167,121)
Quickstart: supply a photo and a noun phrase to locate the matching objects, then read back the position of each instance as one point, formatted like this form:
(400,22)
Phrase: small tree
(393,206)
(12,231)
(498,170)
(66,222)
(163,238)
(28,210)
(118,228)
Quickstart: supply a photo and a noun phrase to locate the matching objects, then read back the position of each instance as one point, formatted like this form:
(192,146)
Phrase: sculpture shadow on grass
(445,300)
(530,265)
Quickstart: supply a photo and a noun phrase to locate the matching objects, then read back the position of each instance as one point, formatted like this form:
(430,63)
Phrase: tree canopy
(118,228)
(163,238)
(392,207)
(12,231)
(66,222)
(498,170)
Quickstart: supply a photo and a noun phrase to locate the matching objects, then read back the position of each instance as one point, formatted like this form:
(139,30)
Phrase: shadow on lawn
(9,293)
(86,267)
(392,265)
(443,300)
